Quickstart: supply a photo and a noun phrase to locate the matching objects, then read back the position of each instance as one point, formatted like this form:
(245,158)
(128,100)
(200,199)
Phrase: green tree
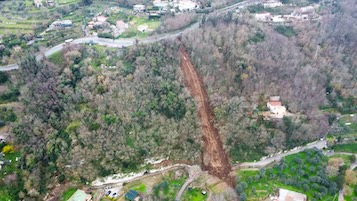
(87,2)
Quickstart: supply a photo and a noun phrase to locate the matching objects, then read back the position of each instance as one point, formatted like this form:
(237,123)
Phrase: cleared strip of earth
(214,158)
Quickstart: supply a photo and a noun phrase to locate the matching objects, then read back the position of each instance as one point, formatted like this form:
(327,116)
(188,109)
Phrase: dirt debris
(214,158)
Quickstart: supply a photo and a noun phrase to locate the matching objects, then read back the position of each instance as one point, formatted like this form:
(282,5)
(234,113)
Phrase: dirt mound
(214,158)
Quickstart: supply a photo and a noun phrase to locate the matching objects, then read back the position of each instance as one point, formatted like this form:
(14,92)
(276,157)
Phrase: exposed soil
(214,158)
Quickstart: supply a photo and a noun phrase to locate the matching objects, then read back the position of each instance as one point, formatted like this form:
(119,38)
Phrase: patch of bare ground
(214,158)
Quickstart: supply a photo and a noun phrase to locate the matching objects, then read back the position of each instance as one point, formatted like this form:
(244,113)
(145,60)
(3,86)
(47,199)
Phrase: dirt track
(214,158)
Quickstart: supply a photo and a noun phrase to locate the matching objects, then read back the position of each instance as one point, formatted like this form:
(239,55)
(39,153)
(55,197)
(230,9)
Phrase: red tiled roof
(275,103)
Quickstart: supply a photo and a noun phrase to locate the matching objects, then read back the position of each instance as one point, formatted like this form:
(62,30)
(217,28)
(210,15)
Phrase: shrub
(8,149)
(105,35)
(256,8)
(287,31)
(3,77)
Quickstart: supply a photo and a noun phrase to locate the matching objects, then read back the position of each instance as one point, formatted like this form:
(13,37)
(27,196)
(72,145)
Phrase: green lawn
(351,148)
(352,194)
(194,194)
(168,188)
(10,192)
(67,194)
(56,58)
(141,188)
(303,172)
(11,167)
(135,22)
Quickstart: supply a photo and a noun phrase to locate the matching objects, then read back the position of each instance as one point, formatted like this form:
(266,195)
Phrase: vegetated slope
(81,121)
(214,157)
(243,62)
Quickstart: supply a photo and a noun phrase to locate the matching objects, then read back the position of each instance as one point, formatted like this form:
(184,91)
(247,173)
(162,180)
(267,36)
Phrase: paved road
(237,6)
(268,160)
(184,186)
(131,41)
(9,67)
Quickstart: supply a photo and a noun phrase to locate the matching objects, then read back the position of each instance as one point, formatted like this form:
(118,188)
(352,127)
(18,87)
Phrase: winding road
(132,41)
(277,157)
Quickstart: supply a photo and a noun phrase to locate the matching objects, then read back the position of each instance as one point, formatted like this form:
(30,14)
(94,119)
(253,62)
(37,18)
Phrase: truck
(68,40)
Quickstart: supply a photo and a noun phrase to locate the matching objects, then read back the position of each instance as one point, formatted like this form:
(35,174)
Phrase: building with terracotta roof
(276,107)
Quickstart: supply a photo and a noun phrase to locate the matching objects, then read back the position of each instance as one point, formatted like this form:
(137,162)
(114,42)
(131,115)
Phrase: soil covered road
(214,158)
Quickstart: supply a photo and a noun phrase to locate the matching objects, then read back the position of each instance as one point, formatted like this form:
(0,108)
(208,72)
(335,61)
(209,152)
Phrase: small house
(162,5)
(50,3)
(142,28)
(272,4)
(66,23)
(139,8)
(100,18)
(38,3)
(276,108)
(265,16)
(132,196)
(80,195)
(120,24)
(187,5)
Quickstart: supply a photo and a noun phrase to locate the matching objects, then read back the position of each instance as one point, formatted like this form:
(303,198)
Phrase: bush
(8,149)
(256,8)
(258,37)
(287,31)
(105,35)
(7,115)
(3,77)
(61,178)
(9,96)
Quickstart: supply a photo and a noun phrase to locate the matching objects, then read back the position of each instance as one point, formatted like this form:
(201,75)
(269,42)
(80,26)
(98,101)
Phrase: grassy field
(352,195)
(168,188)
(135,22)
(351,148)
(303,172)
(136,186)
(21,17)
(9,192)
(67,194)
(194,194)
(56,58)
(140,188)
(345,120)
(12,166)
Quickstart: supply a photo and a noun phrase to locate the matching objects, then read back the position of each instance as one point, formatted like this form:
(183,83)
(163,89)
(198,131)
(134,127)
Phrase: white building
(143,28)
(272,4)
(265,16)
(139,8)
(60,24)
(276,108)
(163,5)
(278,18)
(38,3)
(186,5)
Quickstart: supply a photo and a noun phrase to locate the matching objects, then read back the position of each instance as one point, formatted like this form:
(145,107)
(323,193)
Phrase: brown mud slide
(214,158)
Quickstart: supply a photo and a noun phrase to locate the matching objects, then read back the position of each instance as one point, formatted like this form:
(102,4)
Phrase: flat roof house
(139,8)
(132,196)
